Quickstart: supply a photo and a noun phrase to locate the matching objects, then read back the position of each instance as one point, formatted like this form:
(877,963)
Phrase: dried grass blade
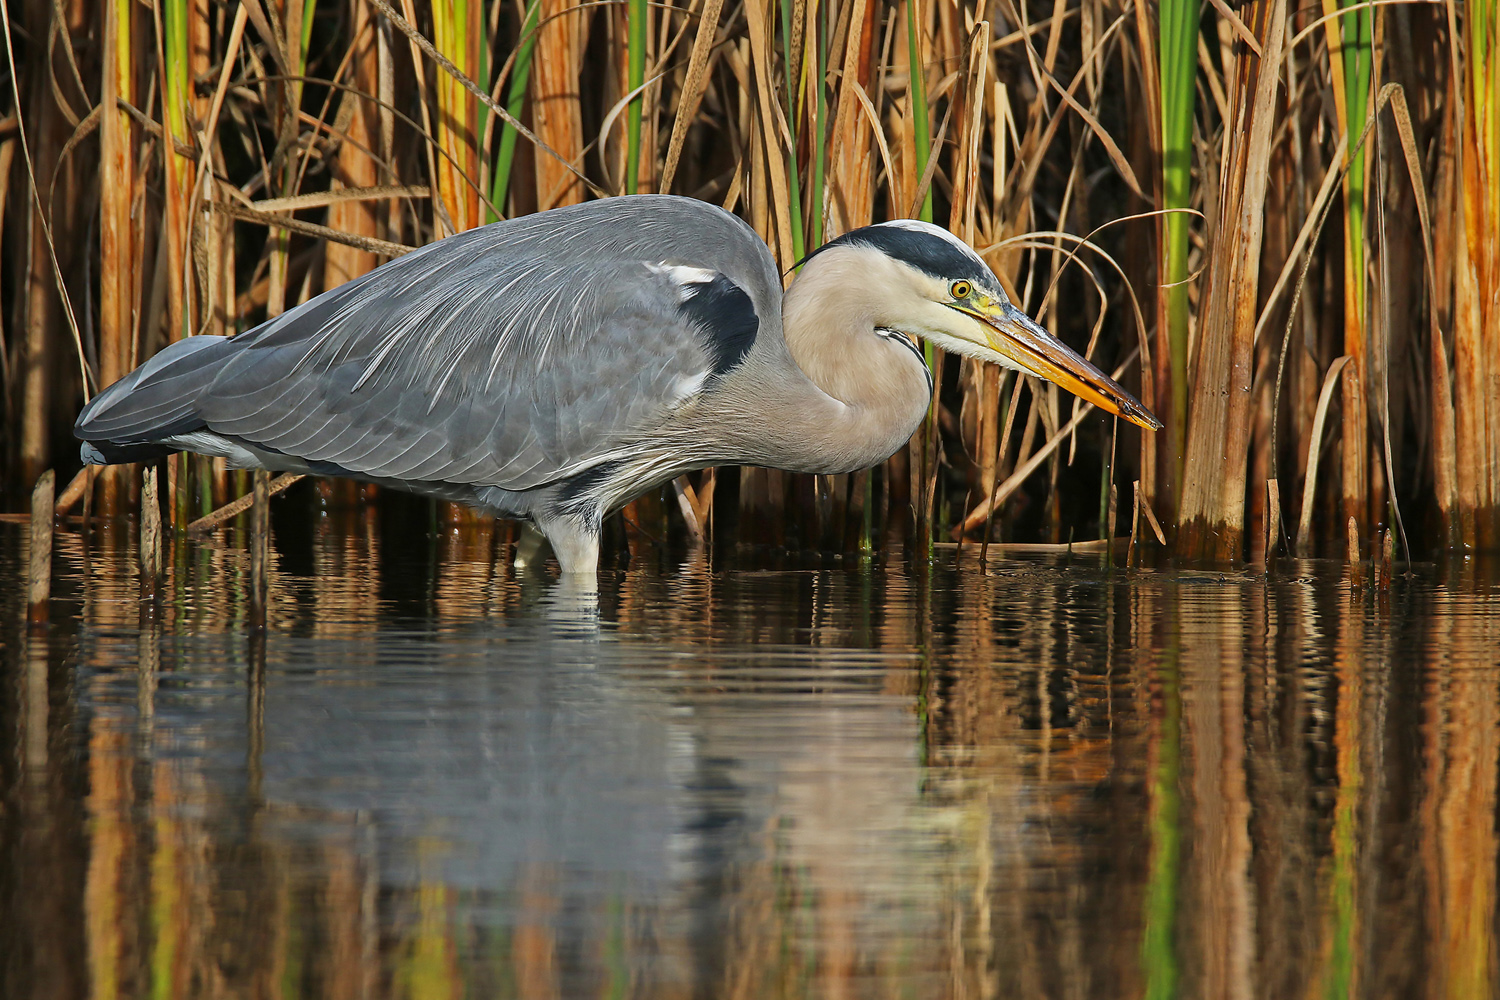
(1314,450)
(321,199)
(293,225)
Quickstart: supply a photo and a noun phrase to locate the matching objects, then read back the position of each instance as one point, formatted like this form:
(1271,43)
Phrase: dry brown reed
(168,155)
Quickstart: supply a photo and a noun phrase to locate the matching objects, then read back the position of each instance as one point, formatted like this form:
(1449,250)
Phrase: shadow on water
(428,780)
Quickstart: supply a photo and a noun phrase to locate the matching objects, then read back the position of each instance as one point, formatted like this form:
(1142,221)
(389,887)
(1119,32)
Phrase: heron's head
(920,279)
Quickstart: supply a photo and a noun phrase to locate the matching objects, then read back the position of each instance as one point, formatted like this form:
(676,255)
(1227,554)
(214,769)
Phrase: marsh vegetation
(1278,221)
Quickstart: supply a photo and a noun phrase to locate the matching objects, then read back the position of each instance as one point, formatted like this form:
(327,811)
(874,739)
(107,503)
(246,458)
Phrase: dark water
(427,780)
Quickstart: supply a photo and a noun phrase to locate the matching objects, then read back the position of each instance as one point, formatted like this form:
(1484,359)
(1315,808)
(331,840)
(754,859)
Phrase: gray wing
(476,368)
(512,355)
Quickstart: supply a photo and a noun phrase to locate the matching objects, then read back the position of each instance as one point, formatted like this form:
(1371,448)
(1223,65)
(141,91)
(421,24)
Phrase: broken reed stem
(150,538)
(1272,520)
(1356,569)
(290,224)
(1310,477)
(39,575)
(235,508)
(76,489)
(260,547)
(687,502)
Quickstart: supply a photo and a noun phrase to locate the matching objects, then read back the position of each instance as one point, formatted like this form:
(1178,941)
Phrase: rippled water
(426,779)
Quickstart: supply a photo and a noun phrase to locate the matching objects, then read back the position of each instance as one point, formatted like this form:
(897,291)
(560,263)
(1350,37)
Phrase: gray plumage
(552,367)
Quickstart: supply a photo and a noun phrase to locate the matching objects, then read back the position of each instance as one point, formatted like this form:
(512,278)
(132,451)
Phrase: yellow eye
(960,289)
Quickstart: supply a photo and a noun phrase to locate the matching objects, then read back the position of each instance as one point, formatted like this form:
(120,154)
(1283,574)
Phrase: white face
(901,297)
(968,313)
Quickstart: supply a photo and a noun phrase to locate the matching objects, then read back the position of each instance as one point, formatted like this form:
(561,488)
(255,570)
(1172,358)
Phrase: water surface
(429,779)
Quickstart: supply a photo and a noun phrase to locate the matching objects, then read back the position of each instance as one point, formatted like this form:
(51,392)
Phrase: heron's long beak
(1014,335)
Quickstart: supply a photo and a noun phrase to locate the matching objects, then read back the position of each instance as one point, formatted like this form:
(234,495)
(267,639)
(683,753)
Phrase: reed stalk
(556,111)
(1476,342)
(515,103)
(116,191)
(1178,75)
(638,27)
(1211,515)
(457,32)
(176,88)
(1349,47)
(356,165)
(917,108)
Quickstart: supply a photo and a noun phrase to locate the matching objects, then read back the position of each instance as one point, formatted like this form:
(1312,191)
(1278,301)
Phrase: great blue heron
(552,367)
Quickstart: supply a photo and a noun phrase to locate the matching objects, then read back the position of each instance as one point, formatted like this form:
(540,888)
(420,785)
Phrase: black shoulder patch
(924,251)
(579,494)
(726,314)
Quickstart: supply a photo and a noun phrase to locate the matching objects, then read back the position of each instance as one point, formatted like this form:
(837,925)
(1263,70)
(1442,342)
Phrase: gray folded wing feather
(507,366)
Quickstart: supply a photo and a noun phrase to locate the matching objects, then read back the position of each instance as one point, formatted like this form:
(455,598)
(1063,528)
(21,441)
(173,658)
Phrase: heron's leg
(575,543)
(530,547)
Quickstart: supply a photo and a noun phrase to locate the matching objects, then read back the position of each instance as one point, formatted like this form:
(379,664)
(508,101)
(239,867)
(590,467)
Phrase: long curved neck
(830,330)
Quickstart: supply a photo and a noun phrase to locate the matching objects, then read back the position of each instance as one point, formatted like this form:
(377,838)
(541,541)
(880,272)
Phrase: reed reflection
(429,779)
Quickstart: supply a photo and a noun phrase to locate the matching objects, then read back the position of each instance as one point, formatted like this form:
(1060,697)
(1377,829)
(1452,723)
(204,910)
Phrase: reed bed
(1278,221)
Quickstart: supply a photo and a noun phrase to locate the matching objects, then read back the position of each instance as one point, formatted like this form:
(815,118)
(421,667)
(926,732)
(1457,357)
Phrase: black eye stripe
(927,253)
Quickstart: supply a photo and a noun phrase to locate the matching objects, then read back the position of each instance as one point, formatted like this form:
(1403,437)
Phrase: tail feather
(128,421)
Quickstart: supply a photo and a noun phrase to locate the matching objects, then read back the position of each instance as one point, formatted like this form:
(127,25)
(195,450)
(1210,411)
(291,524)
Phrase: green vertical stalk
(1356,27)
(922,131)
(179,88)
(174,26)
(637,76)
(515,102)
(309,8)
(921,127)
(1484,86)
(177,74)
(1179,71)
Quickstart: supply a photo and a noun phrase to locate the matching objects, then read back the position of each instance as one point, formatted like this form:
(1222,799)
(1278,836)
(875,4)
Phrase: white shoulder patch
(687,386)
(685,275)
